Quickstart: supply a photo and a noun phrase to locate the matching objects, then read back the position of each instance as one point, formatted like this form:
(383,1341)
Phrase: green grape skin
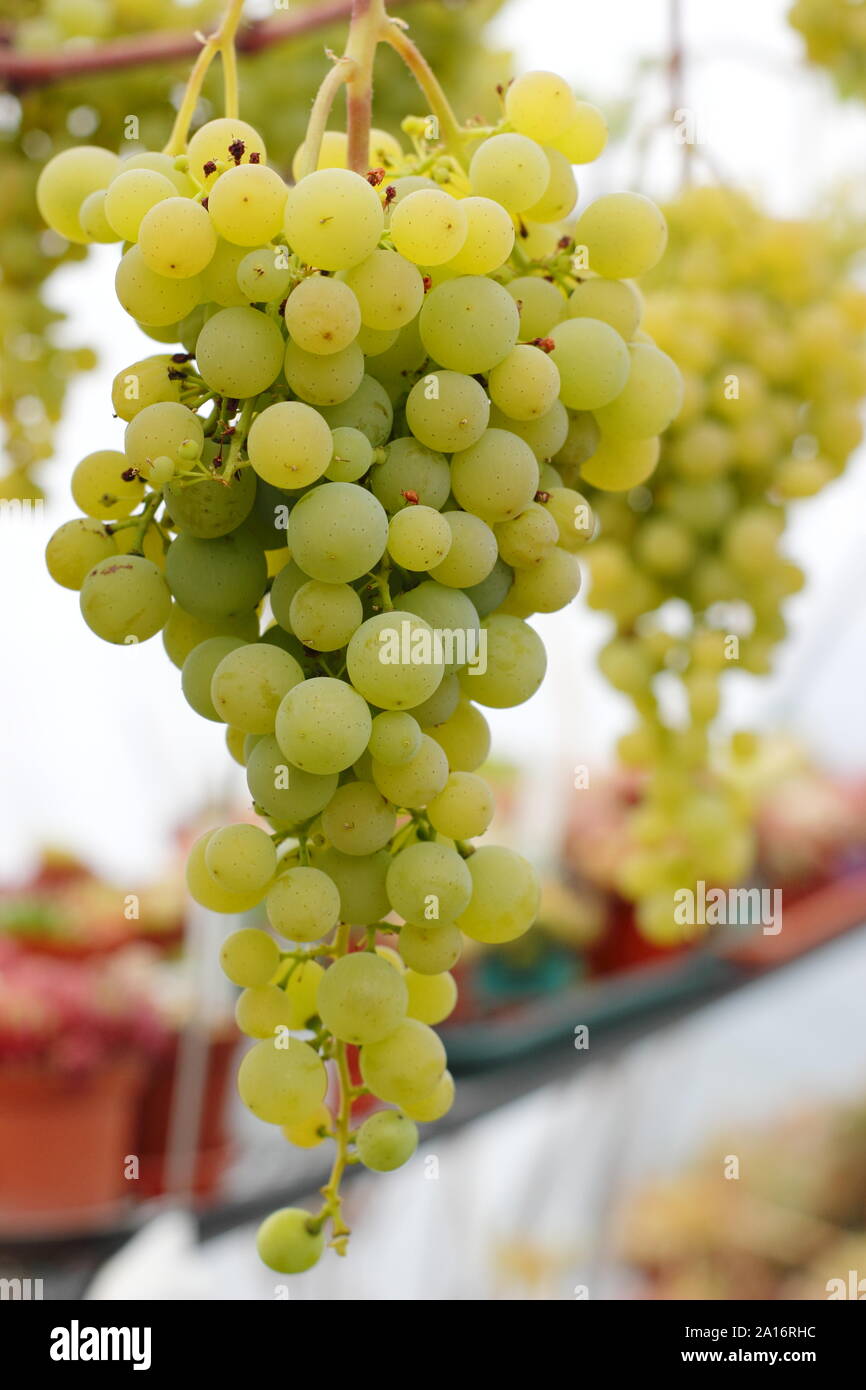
(66,180)
(441,704)
(159,429)
(75,549)
(219,279)
(282,1080)
(323,725)
(395,738)
(386,1141)
(510,169)
(464,738)
(125,599)
(414,783)
(324,616)
(99,489)
(430,949)
(286,584)
(368,409)
(333,219)
(262,1011)
(493,590)
(617,302)
(388,289)
(286,794)
(428,227)
(546,587)
(358,819)
(463,809)
(428,882)
(540,105)
(337,532)
(249,957)
(473,549)
(362,998)
(469,324)
(352,456)
(650,400)
(593,362)
(525,384)
(303,905)
(489,238)
(155,301)
(176,238)
(392,660)
(288,1242)
(211,142)
(516,663)
(198,670)
(183,632)
(447,411)
(249,684)
(496,478)
(545,435)
(526,539)
(235,740)
(505,896)
(210,507)
(290,444)
(301,990)
(625,235)
(322,315)
(404,1067)
(411,467)
(324,380)
(418,538)
(431,998)
(246,204)
(437,1104)
(219,578)
(620,464)
(239,352)
(560,195)
(541,305)
(205,890)
(146,382)
(360,882)
(573,517)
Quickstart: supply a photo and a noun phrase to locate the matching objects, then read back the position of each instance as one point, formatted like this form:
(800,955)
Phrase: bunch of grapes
(768,329)
(834,32)
(335,501)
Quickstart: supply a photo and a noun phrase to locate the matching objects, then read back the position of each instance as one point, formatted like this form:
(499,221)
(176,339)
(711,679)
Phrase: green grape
(414,783)
(144,383)
(516,663)
(290,444)
(620,464)
(437,1104)
(235,740)
(650,400)
(525,384)
(388,288)
(510,169)
(625,235)
(176,238)
(358,819)
(505,895)
(212,141)
(131,194)
(162,164)
(430,949)
(154,300)
(374,341)
(337,532)
(441,704)
(368,410)
(286,584)
(159,430)
(560,195)
(282,1080)
(546,587)
(210,507)
(324,380)
(262,275)
(395,737)
(322,315)
(470,323)
(386,1141)
(219,279)
(333,219)
(431,997)
(362,998)
(99,488)
(418,538)
(488,595)
(545,435)
(360,881)
(580,443)
(593,362)
(263,1011)
(472,553)
(184,631)
(94,223)
(301,991)
(573,517)
(65,182)
(239,352)
(285,793)
(616,302)
(312,1131)
(75,549)
(528,538)
(448,610)
(198,670)
(428,882)
(405,1066)
(584,137)
(324,616)
(428,226)
(462,810)
(303,905)
(204,889)
(541,305)
(489,238)
(240,858)
(249,684)
(495,479)
(246,204)
(540,105)
(410,467)
(352,456)
(464,737)
(218,578)
(289,1242)
(392,659)
(125,599)
(323,725)
(249,957)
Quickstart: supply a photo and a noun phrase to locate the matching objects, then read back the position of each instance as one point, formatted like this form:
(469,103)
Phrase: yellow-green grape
(392,659)
(573,515)
(323,725)
(395,738)
(162,164)
(205,507)
(447,411)
(130,195)
(386,1141)
(415,782)
(528,538)
(337,532)
(463,809)
(418,538)
(249,957)
(282,1080)
(213,142)
(94,223)
(263,1011)
(489,238)
(67,180)
(360,881)
(411,468)
(125,599)
(525,384)
(388,953)
(333,219)
(544,435)
(144,383)
(510,169)
(204,889)
(505,895)
(358,819)
(404,1067)
(324,616)
(99,488)
(184,631)
(431,997)
(198,671)
(625,235)
(428,226)
(301,990)
(303,904)
(441,704)
(580,443)
(263,275)
(362,998)
(473,550)
(495,478)
(286,794)
(352,456)
(235,740)
(374,341)
(650,399)
(323,315)
(160,430)
(464,737)
(160,471)
(324,379)
(219,279)
(249,683)
(368,409)
(516,663)
(541,305)
(154,300)
(428,882)
(388,288)
(246,204)
(593,362)
(470,323)
(487,596)
(289,1241)
(176,238)
(430,949)
(616,302)
(620,464)
(218,578)
(332,153)
(560,195)
(437,1104)
(665,546)
(585,135)
(289,444)
(449,611)
(545,587)
(309,1133)
(541,105)
(239,352)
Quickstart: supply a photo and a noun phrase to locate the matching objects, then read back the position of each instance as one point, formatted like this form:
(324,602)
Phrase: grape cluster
(768,329)
(834,32)
(368,378)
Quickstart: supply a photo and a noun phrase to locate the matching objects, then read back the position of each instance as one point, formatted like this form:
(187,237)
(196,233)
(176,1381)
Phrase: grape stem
(395,35)
(222,42)
(333,1205)
(144,520)
(340,73)
(365,31)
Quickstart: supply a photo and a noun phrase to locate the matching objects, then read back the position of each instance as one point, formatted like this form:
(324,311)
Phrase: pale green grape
(332,153)
(505,895)
(437,1104)
(369,410)
(491,591)
(472,553)
(217,578)
(75,549)
(516,663)
(263,1010)
(154,300)
(418,538)
(572,513)
(428,882)
(290,444)
(184,631)
(358,819)
(240,858)
(312,1131)
(392,659)
(333,219)
(283,590)
(584,137)
(249,684)
(540,104)
(337,532)
(303,905)
(145,383)
(470,323)
(289,1242)
(429,226)
(239,352)
(388,288)
(431,997)
(125,599)
(352,456)
(249,957)
(510,169)
(541,305)
(94,223)
(619,464)
(560,195)
(323,725)
(209,507)
(625,235)
(67,180)
(362,998)
(462,810)
(414,783)
(411,467)
(324,379)
(130,195)
(525,384)
(489,238)
(616,302)
(465,738)
(545,587)
(323,315)
(198,670)
(159,430)
(302,988)
(212,143)
(360,880)
(219,279)
(386,1141)
(545,435)
(374,341)
(441,704)
(593,362)
(176,238)
(650,400)
(450,611)
(395,737)
(495,479)
(99,489)
(235,741)
(430,949)
(404,1067)
(263,276)
(246,204)
(204,889)
(528,538)
(282,1080)
(163,164)
(324,616)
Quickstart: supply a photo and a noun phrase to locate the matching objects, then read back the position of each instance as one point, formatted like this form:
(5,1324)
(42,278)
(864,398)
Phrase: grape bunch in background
(337,502)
